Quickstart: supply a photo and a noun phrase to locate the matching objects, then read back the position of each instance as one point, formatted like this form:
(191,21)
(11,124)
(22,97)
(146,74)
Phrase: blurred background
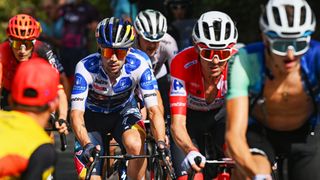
(244,12)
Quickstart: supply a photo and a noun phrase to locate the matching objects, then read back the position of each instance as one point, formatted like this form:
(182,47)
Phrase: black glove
(89,150)
(162,148)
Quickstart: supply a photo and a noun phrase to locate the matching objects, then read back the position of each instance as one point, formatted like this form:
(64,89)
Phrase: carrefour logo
(80,84)
(177,85)
(146,80)
(177,88)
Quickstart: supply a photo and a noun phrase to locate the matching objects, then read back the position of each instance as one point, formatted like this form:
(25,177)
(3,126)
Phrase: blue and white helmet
(115,33)
(287,19)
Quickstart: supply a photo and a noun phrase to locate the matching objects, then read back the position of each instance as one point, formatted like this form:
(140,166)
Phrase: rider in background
(180,21)
(22,44)
(103,99)
(26,150)
(198,88)
(152,38)
(273,97)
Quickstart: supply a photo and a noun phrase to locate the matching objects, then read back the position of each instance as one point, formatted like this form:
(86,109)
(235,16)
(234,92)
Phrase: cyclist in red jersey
(198,87)
(22,32)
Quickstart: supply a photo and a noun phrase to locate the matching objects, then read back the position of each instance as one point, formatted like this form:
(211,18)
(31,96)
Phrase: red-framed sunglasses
(222,54)
(108,52)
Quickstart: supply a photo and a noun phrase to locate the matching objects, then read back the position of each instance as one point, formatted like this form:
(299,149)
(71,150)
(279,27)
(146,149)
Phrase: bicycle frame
(154,157)
(63,138)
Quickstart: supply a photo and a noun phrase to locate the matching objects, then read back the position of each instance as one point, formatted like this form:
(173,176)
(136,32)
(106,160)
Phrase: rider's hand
(89,151)
(190,160)
(162,147)
(61,126)
(163,150)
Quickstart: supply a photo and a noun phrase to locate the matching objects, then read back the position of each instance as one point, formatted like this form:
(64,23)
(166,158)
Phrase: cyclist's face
(112,64)
(284,63)
(213,68)
(213,61)
(148,47)
(22,50)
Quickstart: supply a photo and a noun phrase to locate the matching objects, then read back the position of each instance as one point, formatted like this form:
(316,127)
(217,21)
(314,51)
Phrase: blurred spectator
(79,18)
(126,9)
(179,14)
(154,4)
(51,24)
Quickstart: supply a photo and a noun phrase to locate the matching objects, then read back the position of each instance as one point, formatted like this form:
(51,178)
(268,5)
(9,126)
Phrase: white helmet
(151,25)
(215,29)
(287,19)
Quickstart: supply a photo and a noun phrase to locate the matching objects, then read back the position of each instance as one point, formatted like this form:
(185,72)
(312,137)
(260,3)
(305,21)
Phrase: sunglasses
(281,46)
(208,54)
(16,44)
(108,52)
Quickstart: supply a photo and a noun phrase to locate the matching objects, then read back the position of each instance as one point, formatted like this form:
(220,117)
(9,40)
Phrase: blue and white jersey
(93,89)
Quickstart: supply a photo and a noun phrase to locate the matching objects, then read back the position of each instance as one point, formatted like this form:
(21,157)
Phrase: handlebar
(224,162)
(168,167)
(161,156)
(90,169)
(63,138)
(125,157)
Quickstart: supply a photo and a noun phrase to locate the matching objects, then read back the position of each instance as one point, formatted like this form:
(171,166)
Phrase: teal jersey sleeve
(246,71)
(238,80)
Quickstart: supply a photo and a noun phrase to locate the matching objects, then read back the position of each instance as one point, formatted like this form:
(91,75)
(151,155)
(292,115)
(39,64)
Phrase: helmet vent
(264,16)
(217,45)
(303,15)
(290,33)
(149,22)
(206,30)
(228,32)
(196,30)
(217,30)
(276,16)
(143,28)
(290,15)
(157,19)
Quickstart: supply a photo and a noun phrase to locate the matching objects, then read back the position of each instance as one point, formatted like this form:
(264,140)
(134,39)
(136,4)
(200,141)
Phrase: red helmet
(23,26)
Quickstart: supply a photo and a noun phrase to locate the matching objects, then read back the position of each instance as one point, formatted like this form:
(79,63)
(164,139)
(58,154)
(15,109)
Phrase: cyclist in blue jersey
(273,97)
(103,99)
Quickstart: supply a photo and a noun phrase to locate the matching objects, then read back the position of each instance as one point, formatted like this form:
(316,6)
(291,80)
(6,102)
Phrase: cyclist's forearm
(238,149)
(160,102)
(182,139)
(79,128)
(63,105)
(66,86)
(157,123)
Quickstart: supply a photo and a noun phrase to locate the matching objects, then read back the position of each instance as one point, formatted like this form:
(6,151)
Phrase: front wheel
(157,172)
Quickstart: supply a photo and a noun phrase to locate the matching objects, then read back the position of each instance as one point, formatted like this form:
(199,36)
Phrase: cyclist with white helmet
(273,97)
(198,88)
(103,99)
(152,38)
